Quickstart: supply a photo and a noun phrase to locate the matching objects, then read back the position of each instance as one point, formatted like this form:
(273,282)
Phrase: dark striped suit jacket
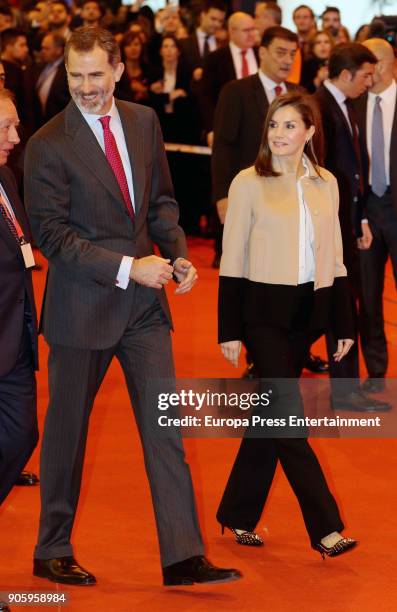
(81,225)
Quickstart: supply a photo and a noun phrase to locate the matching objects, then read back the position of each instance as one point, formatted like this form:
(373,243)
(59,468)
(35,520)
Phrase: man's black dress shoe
(316,365)
(4,607)
(197,569)
(357,401)
(63,569)
(373,385)
(27,479)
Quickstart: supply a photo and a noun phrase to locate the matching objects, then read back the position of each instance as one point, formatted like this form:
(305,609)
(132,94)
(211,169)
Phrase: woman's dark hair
(308,110)
(313,39)
(129,38)
(174,38)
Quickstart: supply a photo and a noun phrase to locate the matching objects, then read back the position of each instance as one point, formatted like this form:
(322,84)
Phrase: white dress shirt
(201,36)
(123,276)
(269,86)
(307,266)
(388,105)
(340,98)
(238,60)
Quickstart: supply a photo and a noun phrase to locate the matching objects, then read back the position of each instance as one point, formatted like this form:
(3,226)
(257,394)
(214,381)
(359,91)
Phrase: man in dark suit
(52,84)
(18,336)
(377,118)
(242,108)
(196,47)
(351,69)
(98,192)
(235,61)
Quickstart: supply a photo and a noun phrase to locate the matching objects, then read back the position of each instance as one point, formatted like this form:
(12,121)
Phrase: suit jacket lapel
(88,150)
(134,137)
(260,96)
(337,109)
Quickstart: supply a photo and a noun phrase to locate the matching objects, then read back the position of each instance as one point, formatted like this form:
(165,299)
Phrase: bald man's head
(242,31)
(380,48)
(384,69)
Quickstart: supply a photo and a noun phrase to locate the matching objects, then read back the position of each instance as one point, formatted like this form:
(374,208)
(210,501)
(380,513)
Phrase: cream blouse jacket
(261,241)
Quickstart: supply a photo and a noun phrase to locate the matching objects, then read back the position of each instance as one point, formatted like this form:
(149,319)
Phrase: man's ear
(118,71)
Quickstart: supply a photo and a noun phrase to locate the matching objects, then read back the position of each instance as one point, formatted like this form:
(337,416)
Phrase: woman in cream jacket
(282,282)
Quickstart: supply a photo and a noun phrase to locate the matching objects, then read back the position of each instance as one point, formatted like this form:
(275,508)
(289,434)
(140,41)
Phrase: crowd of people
(307,118)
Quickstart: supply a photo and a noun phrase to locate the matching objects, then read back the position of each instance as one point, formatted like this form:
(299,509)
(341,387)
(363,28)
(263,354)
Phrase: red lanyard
(13,220)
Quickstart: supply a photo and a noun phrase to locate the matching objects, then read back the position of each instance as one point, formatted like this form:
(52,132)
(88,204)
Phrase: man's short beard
(92,107)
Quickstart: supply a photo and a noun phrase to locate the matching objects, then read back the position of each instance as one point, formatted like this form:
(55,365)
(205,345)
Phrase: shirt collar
(203,35)
(55,64)
(268,83)
(92,119)
(387,94)
(333,89)
(235,49)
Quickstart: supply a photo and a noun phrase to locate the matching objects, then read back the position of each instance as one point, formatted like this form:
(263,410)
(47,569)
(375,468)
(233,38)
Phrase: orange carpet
(115,538)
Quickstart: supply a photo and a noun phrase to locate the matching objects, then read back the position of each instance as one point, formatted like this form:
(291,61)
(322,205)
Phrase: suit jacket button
(357,177)
(355,199)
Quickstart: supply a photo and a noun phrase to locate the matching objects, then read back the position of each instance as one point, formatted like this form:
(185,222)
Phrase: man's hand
(344,347)
(197,74)
(151,271)
(186,274)
(365,241)
(210,139)
(231,350)
(221,207)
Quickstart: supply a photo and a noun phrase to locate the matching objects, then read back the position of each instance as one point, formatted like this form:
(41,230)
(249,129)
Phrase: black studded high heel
(247,538)
(342,546)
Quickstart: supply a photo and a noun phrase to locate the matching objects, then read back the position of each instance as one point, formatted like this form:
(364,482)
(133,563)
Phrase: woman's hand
(177,93)
(157,87)
(231,350)
(344,347)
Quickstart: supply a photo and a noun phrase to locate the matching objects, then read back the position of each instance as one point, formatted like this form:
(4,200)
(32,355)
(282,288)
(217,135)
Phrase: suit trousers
(382,218)
(18,416)
(75,375)
(279,352)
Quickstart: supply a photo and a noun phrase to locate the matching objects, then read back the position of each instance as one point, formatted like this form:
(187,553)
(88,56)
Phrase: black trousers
(382,218)
(18,416)
(279,352)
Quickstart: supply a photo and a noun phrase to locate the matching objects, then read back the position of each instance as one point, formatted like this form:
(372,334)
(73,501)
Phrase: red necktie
(244,64)
(114,159)
(278,90)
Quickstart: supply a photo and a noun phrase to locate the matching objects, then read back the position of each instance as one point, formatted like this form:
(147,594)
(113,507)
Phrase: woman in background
(282,283)
(315,67)
(134,82)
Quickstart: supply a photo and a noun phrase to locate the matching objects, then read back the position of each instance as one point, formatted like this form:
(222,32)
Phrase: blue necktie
(379,184)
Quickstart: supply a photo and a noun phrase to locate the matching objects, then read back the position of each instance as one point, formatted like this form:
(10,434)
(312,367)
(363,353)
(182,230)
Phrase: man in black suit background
(351,69)
(52,84)
(196,47)
(18,336)
(235,61)
(241,111)
(377,118)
